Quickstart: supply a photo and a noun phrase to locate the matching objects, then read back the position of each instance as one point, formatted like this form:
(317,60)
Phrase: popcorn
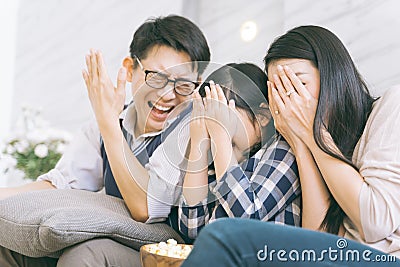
(172,242)
(171,248)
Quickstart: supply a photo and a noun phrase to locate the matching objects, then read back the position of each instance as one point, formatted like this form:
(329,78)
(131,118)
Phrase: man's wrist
(110,129)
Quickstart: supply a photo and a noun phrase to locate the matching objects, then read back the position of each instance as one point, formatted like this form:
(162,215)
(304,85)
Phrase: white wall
(221,22)
(8,26)
(368,28)
(54,36)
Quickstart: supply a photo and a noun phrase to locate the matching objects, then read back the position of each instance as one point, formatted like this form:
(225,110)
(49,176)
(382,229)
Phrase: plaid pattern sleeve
(266,187)
(193,218)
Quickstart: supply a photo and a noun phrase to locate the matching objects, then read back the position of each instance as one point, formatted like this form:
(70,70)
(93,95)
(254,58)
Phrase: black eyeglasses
(158,80)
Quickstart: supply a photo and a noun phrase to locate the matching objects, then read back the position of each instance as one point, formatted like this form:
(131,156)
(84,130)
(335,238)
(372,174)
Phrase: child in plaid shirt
(252,172)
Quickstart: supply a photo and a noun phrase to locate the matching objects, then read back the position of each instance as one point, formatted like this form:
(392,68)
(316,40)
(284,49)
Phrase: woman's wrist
(299,148)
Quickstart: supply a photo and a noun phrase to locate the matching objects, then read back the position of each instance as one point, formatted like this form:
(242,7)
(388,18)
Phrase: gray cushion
(42,223)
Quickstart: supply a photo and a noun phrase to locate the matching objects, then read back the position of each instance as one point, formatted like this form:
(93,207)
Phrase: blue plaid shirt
(265,187)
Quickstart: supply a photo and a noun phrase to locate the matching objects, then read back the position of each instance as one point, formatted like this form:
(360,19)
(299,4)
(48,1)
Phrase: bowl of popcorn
(162,254)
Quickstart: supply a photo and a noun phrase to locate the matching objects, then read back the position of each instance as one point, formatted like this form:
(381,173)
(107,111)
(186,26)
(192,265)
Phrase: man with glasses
(158,80)
(167,56)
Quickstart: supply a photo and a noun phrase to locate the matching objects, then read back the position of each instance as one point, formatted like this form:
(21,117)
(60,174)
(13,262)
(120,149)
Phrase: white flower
(37,136)
(56,134)
(10,149)
(22,146)
(61,148)
(41,150)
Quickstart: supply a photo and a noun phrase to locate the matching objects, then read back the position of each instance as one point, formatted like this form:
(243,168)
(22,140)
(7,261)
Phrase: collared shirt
(81,166)
(265,187)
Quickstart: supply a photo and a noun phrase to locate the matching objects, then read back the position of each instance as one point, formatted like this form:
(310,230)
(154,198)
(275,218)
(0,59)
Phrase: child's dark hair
(246,84)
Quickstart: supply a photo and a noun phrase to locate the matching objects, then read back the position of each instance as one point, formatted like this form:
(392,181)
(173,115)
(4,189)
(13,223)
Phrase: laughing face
(154,106)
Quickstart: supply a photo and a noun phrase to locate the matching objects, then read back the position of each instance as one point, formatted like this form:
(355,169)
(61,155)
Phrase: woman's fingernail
(280,67)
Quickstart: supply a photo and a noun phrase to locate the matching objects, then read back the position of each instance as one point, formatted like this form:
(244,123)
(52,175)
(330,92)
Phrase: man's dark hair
(173,31)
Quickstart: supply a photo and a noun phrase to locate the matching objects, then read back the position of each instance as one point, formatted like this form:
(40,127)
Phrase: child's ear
(128,64)
(264,116)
